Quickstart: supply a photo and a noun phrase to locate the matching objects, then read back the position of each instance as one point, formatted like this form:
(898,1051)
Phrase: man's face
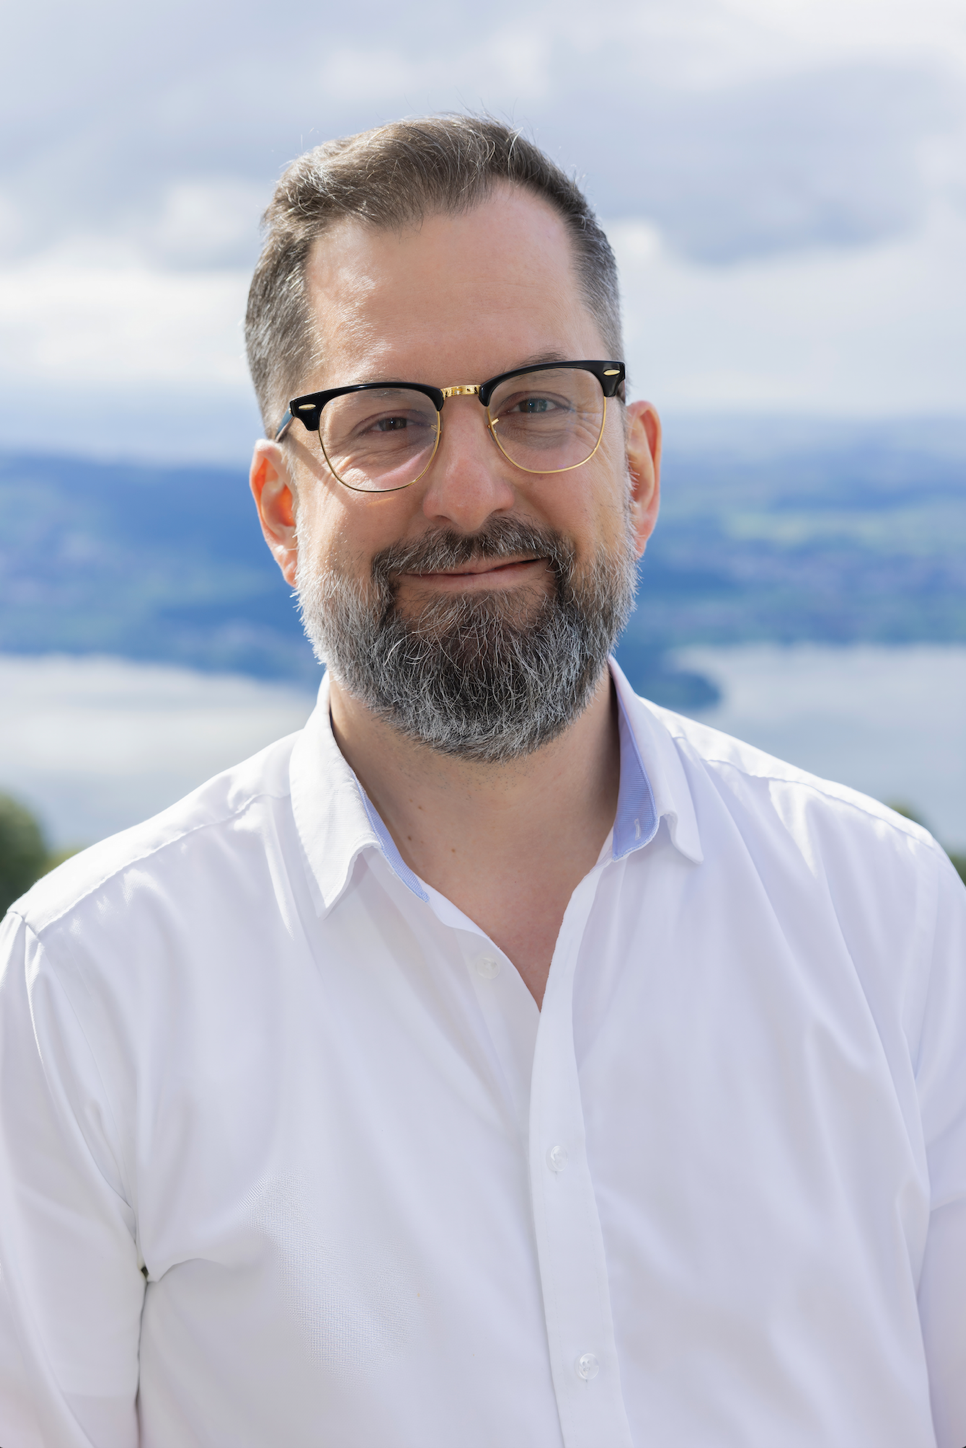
(458,300)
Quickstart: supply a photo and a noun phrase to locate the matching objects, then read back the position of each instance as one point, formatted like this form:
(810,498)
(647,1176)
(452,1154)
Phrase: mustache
(445,549)
(471,674)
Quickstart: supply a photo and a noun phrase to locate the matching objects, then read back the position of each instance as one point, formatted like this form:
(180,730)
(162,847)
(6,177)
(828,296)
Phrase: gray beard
(472,675)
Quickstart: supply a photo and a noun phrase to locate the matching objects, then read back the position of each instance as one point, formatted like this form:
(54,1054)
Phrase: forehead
(483,291)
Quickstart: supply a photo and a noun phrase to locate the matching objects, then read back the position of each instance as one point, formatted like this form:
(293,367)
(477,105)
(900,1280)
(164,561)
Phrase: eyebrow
(541,357)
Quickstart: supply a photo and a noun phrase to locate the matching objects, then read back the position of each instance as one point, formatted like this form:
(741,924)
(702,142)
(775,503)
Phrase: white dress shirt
(290,1159)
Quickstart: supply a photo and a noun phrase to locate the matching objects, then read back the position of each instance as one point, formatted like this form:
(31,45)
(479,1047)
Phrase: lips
(484,566)
(493,557)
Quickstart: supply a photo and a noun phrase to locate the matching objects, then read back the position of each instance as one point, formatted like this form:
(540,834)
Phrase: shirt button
(587,1366)
(487,966)
(556,1161)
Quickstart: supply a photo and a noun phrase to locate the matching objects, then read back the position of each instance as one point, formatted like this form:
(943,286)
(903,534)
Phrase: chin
(517,604)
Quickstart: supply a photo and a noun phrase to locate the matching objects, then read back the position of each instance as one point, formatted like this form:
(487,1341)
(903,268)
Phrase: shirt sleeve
(71,1288)
(941,1076)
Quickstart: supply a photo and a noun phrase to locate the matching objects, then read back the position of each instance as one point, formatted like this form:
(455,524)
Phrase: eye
(377,427)
(533,404)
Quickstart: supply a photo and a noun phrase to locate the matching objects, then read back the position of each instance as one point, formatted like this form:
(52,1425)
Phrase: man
(501,1062)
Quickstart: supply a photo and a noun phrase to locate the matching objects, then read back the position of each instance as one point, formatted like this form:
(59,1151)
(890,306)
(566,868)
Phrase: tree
(23,851)
(958,860)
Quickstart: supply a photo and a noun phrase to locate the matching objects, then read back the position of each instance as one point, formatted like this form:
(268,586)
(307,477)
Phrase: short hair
(388,178)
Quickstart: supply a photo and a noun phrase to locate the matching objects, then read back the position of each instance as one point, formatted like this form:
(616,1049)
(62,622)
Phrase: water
(95,744)
(889,721)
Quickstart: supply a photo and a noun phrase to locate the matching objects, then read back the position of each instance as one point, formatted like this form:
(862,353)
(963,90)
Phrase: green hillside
(831,533)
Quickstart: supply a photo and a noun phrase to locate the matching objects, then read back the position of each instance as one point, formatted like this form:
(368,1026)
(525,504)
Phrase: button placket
(570,1243)
(510,1014)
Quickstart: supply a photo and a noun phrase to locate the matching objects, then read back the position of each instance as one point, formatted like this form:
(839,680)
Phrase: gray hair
(388,178)
(467,677)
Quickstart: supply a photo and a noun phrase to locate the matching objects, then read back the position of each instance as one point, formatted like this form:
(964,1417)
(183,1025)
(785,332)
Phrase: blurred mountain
(790,531)
(158,563)
(769,531)
(834,534)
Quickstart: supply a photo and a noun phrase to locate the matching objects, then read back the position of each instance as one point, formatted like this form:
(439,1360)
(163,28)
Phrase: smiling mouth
(480,569)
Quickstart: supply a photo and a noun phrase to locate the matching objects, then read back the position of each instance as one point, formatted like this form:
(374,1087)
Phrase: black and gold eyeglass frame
(381,437)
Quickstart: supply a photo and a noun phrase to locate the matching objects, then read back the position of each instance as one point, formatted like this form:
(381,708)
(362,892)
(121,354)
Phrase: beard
(483,676)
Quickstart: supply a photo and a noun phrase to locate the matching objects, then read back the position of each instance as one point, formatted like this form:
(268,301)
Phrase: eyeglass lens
(384,438)
(380,439)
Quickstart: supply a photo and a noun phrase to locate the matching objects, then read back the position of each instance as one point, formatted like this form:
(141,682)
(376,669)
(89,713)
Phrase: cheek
(345,533)
(601,508)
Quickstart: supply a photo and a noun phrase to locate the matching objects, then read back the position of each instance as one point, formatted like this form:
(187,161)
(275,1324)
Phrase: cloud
(130,359)
(870,332)
(737,127)
(96,744)
(764,143)
(105,353)
(67,315)
(201,221)
(829,157)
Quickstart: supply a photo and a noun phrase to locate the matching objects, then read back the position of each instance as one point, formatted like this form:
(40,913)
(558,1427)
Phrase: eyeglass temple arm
(308,415)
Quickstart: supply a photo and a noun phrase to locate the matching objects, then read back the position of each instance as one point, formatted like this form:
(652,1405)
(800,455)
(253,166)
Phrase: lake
(94,744)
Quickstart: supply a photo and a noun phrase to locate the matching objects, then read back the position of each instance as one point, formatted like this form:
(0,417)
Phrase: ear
(644,464)
(274,496)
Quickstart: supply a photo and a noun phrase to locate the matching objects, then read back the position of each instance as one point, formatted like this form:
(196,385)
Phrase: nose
(469,480)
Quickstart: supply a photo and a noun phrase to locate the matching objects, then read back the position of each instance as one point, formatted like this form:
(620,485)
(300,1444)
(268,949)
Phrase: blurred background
(784,182)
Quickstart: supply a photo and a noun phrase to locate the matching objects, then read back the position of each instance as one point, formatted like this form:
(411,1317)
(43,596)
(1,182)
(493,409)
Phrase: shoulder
(830,866)
(806,838)
(172,841)
(773,786)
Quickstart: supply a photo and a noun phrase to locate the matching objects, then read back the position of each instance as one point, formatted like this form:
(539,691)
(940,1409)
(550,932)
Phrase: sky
(784,182)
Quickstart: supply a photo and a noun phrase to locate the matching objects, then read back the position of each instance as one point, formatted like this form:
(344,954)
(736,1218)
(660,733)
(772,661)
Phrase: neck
(506,843)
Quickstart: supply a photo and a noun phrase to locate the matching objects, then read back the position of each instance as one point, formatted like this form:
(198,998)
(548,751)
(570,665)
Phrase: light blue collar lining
(395,859)
(635,823)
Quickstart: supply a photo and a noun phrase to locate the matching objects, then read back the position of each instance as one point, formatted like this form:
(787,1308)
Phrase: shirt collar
(333,823)
(636,820)
(336,820)
(660,764)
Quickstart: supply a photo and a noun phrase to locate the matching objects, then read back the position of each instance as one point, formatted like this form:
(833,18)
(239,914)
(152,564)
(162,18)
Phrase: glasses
(380,437)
